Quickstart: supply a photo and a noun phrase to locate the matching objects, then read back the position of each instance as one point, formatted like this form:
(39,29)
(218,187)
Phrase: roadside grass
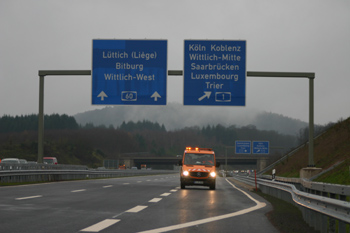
(339,175)
(330,148)
(286,217)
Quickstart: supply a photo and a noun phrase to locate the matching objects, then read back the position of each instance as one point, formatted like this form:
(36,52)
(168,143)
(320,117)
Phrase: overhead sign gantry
(218,51)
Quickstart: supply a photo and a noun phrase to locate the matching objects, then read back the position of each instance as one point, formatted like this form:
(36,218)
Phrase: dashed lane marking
(165,194)
(31,197)
(137,209)
(78,190)
(101,225)
(155,200)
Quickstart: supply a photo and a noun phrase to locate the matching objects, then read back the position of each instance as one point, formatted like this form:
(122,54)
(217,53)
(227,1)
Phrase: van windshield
(199,159)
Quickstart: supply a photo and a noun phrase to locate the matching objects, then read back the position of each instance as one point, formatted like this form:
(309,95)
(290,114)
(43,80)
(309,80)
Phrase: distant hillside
(176,116)
(330,148)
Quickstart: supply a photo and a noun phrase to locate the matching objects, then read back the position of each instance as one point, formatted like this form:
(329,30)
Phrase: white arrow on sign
(102,95)
(155,96)
(206,94)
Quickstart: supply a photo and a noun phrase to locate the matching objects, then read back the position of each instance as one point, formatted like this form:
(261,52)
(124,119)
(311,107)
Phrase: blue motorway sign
(243,147)
(129,72)
(214,72)
(261,147)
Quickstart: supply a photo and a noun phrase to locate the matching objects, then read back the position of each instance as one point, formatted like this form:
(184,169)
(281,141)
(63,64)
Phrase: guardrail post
(342,225)
(332,221)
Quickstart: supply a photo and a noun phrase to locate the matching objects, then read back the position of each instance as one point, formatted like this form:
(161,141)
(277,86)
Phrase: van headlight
(185,173)
(212,174)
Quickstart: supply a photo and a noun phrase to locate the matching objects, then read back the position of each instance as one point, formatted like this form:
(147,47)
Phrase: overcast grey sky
(290,36)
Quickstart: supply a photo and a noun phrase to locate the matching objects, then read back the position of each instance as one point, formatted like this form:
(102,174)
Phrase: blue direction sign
(214,72)
(243,147)
(261,147)
(129,72)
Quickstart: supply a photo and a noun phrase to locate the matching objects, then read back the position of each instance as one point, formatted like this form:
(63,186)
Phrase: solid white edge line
(258,205)
(101,225)
(24,198)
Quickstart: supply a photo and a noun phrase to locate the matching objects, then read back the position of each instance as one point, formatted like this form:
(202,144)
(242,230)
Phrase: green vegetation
(339,175)
(330,148)
(9,124)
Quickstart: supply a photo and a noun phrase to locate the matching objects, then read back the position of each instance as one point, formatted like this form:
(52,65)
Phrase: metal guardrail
(317,188)
(40,166)
(20,176)
(321,212)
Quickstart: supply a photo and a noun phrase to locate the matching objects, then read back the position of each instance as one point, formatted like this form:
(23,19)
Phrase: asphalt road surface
(131,204)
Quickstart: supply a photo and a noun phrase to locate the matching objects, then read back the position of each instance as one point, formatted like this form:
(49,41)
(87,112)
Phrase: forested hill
(30,122)
(176,116)
(89,145)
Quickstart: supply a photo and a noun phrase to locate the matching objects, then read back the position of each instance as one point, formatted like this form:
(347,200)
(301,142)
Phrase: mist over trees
(176,116)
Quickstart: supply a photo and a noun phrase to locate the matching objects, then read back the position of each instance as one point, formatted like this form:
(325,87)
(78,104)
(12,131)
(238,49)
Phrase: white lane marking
(108,186)
(139,181)
(155,200)
(126,183)
(101,225)
(137,209)
(79,190)
(258,205)
(148,180)
(165,194)
(31,197)
(173,190)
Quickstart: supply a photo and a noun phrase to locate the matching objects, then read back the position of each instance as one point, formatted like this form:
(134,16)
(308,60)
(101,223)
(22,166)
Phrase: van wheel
(182,186)
(212,186)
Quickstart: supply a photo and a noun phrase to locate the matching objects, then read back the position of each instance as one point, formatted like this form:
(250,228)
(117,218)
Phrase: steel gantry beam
(310,76)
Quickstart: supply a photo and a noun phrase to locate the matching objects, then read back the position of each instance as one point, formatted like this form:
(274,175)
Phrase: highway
(131,204)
